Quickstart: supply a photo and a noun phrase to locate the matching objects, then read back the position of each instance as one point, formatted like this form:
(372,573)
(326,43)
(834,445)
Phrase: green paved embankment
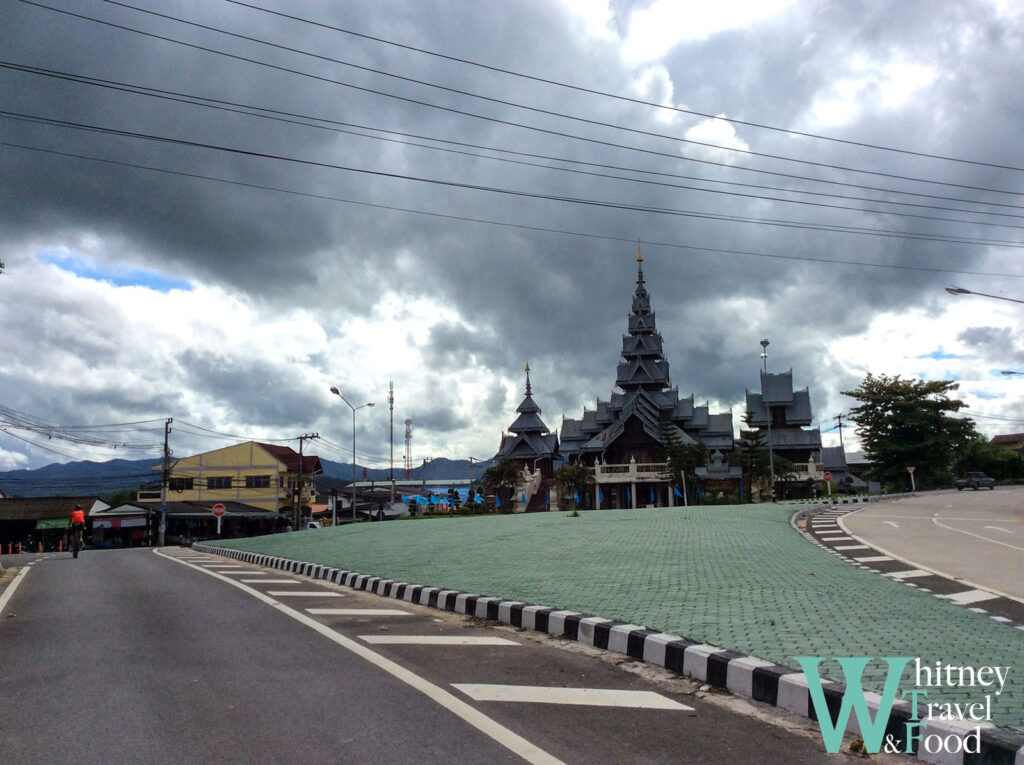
(736,577)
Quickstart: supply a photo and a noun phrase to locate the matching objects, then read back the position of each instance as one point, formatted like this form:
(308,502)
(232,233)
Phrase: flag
(576,495)
(497,500)
(741,489)
(627,496)
(678,493)
(547,497)
(601,492)
(523,495)
(699,495)
(652,496)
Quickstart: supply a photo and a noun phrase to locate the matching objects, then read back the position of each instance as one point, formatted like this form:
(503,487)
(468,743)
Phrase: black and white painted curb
(741,675)
(823,525)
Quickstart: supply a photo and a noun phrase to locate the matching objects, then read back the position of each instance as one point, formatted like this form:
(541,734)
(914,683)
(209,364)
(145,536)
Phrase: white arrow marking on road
(894,525)
(594,697)
(997,528)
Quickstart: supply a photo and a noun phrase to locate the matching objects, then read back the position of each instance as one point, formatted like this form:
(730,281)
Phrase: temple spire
(528,391)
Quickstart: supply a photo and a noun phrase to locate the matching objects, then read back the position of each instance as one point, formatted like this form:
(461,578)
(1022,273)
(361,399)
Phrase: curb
(733,671)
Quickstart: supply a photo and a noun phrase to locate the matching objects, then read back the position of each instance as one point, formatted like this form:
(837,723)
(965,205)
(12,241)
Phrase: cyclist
(76,526)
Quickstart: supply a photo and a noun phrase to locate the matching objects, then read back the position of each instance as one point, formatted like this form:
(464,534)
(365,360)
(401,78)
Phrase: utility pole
(391,417)
(768,410)
(297,495)
(165,477)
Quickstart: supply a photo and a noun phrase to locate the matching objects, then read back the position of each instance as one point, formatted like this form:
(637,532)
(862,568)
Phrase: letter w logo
(853,667)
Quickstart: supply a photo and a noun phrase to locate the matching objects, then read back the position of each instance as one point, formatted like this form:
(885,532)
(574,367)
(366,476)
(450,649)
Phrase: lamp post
(962,291)
(354,409)
(768,412)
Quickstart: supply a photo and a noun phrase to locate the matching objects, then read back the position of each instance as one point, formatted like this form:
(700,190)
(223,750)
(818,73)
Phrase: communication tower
(408,448)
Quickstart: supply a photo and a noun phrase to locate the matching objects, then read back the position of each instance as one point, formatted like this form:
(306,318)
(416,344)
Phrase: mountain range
(101,479)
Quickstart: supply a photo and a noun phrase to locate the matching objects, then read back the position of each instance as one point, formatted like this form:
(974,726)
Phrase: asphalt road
(973,536)
(130,656)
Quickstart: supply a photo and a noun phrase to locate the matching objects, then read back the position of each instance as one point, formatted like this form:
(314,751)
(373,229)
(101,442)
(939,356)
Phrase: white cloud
(655,29)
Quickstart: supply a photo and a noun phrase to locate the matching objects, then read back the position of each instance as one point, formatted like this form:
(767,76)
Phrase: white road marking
(852,547)
(976,536)
(243,573)
(504,736)
(266,581)
(836,539)
(997,528)
(914,572)
(594,697)
(894,525)
(358,612)
(969,596)
(444,640)
(302,593)
(12,587)
(874,558)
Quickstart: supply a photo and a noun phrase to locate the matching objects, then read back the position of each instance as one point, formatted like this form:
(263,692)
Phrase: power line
(336,126)
(625,99)
(503,102)
(522,226)
(479,116)
(805,225)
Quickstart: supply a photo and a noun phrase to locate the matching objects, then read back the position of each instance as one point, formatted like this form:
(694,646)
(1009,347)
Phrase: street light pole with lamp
(768,412)
(338,393)
(962,291)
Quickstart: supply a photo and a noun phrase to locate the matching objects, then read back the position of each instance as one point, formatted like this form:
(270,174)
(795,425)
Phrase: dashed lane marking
(358,612)
(594,697)
(266,581)
(442,640)
(489,727)
(302,593)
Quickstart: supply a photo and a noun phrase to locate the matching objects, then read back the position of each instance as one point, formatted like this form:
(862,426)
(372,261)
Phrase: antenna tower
(408,448)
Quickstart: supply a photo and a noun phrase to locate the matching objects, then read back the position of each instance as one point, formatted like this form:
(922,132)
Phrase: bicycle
(76,542)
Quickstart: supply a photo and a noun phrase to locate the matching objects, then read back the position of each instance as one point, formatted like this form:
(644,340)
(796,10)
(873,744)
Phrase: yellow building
(261,475)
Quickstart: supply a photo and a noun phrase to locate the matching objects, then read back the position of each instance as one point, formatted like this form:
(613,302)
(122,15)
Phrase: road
(166,656)
(974,536)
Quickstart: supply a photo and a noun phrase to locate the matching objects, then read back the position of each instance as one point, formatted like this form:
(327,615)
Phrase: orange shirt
(78,516)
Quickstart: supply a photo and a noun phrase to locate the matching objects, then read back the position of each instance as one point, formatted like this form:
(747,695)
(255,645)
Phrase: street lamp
(354,409)
(768,411)
(962,291)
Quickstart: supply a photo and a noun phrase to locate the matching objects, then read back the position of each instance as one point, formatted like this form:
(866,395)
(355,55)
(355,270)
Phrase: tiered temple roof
(646,398)
(528,436)
(789,411)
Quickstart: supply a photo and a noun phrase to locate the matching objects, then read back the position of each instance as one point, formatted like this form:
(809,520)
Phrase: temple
(530,444)
(782,415)
(625,438)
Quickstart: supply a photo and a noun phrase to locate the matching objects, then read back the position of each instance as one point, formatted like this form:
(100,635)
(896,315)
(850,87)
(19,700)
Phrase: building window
(219,482)
(257,482)
(181,484)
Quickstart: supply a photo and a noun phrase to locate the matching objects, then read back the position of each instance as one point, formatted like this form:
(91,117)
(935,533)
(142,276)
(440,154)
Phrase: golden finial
(527,366)
(639,255)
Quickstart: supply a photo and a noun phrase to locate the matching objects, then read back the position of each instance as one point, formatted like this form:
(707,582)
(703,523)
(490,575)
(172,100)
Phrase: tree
(752,455)
(123,497)
(907,423)
(681,461)
(976,453)
(503,475)
(573,478)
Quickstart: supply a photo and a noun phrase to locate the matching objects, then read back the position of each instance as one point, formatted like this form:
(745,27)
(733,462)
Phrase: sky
(214,212)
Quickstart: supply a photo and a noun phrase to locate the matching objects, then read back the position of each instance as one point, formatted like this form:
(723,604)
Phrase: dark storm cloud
(554,288)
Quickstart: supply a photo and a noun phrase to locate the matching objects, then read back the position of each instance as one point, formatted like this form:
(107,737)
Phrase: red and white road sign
(218,510)
(827,477)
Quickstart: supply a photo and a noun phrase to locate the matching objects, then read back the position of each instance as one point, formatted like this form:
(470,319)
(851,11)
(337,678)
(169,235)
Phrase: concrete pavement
(736,578)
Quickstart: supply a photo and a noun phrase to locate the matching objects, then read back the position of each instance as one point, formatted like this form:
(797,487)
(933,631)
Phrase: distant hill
(103,478)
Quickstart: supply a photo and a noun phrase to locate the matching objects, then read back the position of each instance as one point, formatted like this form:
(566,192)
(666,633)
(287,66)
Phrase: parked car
(310,525)
(975,480)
